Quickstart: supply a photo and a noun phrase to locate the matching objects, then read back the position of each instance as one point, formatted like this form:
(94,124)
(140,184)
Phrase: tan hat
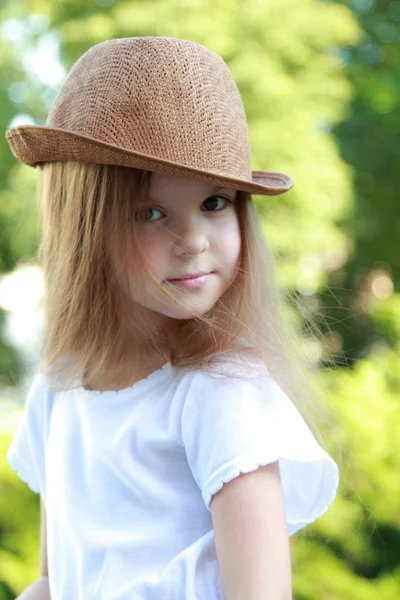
(154,103)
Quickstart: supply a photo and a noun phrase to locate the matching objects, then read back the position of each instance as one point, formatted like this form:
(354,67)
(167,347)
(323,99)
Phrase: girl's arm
(37,591)
(251,537)
(43,541)
(40,590)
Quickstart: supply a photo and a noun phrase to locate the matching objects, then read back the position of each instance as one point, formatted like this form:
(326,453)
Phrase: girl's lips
(197,282)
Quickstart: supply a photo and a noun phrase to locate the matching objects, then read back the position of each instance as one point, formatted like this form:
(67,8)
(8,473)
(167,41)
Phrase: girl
(160,429)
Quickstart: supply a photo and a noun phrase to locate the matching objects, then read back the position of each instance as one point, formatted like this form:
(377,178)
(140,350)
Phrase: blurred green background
(320,83)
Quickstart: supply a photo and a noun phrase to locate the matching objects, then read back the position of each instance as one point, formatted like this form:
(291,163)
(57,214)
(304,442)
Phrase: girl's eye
(213,201)
(142,215)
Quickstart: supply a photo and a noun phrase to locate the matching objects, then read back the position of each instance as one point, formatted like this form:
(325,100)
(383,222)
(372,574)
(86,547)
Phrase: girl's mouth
(194,283)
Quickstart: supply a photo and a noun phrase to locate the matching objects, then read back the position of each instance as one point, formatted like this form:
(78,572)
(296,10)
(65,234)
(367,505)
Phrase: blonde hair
(88,232)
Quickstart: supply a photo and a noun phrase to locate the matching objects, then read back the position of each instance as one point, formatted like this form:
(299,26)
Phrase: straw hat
(155,103)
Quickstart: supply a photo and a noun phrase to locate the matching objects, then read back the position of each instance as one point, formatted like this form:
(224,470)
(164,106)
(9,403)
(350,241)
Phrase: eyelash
(210,198)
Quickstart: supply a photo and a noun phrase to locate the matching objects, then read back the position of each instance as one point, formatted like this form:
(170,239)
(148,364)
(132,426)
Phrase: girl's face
(186,227)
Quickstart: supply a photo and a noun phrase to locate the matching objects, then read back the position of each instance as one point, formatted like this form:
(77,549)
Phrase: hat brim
(33,145)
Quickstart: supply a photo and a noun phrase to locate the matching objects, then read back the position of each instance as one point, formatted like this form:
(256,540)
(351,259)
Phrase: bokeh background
(320,82)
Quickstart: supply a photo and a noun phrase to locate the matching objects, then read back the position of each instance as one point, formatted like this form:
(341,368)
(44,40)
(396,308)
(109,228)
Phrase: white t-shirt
(127,477)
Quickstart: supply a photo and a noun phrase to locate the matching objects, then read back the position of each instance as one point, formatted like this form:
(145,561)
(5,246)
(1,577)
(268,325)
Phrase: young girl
(161,430)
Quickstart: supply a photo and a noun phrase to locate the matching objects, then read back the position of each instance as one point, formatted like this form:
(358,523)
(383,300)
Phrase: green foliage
(10,364)
(356,543)
(19,530)
(320,84)
(369,143)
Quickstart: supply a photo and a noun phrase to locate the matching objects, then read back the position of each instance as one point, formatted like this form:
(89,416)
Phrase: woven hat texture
(155,103)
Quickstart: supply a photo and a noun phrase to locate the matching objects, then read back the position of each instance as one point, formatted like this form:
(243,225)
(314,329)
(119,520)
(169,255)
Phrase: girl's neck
(136,373)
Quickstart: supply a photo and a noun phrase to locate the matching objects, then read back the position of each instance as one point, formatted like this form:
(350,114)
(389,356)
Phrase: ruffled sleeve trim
(22,472)
(309,485)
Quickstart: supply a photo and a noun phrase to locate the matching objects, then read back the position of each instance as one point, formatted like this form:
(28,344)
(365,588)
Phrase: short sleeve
(233,426)
(26,453)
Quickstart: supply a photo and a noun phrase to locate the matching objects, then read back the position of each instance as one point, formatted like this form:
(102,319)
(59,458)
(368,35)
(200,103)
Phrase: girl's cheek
(151,242)
(231,238)
(155,255)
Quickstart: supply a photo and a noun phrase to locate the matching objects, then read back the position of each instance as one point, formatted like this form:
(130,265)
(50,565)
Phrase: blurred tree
(305,85)
(19,530)
(369,142)
(356,544)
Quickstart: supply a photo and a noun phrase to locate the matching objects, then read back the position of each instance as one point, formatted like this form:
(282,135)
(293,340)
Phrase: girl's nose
(191,238)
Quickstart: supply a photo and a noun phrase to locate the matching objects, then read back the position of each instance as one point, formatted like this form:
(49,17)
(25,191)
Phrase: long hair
(89,229)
